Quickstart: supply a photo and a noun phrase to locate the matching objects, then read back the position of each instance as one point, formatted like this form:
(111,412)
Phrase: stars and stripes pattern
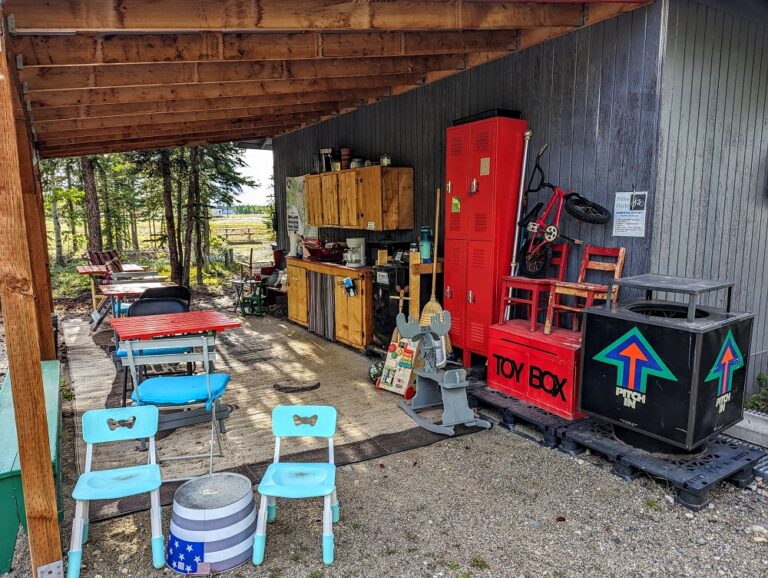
(184,556)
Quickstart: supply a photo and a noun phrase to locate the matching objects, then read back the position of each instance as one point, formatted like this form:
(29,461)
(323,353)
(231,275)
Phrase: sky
(259,168)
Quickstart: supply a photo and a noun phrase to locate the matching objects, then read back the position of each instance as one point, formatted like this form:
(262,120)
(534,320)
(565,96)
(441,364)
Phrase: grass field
(67,283)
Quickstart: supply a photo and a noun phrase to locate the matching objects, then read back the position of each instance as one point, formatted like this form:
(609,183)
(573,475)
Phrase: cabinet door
(297,294)
(341,310)
(330,196)
(349,205)
(455,288)
(482,158)
(481,287)
(456,182)
(313,200)
(369,191)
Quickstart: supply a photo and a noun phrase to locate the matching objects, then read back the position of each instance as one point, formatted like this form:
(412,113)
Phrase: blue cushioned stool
(299,480)
(114,425)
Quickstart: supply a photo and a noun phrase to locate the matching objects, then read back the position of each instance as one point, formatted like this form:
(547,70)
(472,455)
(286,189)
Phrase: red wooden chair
(532,293)
(589,292)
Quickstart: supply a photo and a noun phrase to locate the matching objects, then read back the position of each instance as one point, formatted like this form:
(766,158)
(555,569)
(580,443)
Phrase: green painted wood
(12,512)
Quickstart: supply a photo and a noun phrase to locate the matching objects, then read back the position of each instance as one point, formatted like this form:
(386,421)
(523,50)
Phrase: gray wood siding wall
(593,95)
(711,217)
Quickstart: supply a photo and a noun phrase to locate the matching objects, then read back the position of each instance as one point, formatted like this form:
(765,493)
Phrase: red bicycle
(536,252)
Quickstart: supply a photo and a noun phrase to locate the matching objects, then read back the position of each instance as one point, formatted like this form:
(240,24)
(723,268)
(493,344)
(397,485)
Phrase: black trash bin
(666,374)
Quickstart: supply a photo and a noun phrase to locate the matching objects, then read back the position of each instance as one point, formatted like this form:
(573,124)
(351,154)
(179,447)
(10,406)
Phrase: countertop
(308,263)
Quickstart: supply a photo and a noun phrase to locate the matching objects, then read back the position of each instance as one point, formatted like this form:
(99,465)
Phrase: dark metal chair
(177,292)
(144,307)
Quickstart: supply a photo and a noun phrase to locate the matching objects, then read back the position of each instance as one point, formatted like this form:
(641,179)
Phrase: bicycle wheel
(585,210)
(534,265)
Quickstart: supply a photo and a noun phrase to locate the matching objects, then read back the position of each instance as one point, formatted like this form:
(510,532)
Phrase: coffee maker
(354,255)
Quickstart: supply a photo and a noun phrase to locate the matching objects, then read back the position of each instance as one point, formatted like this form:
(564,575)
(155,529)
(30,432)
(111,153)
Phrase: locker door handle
(448,293)
(474,187)
(470,297)
(449,187)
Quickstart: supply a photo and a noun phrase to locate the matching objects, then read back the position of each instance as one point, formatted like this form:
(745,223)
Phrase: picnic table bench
(12,512)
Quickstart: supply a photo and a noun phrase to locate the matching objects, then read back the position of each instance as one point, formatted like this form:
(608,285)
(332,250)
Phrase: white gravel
(490,504)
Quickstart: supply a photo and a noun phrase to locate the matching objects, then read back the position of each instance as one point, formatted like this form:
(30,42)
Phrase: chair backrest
(560,260)
(114,266)
(197,348)
(173,292)
(304,421)
(589,263)
(144,307)
(102,257)
(120,424)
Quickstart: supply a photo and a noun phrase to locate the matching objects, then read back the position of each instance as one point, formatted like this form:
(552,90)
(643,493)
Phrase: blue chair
(299,480)
(182,391)
(114,425)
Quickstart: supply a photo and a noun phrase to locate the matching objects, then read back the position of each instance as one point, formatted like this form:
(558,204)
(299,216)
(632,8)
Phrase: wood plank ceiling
(116,75)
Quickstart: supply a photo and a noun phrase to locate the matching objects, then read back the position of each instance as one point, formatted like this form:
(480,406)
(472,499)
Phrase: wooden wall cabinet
(370,198)
(297,294)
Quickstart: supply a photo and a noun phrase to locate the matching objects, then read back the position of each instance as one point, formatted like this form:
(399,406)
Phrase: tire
(535,265)
(586,211)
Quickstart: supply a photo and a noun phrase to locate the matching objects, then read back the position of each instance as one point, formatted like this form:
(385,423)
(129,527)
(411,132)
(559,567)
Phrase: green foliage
(478,563)
(759,400)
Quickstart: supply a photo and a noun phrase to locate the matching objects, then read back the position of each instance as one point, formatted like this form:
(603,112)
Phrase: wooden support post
(20,314)
(37,236)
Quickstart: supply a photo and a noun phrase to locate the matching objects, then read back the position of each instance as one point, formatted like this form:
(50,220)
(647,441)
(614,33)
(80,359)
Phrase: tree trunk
(57,232)
(92,205)
(194,182)
(108,224)
(134,232)
(179,208)
(198,238)
(71,211)
(170,226)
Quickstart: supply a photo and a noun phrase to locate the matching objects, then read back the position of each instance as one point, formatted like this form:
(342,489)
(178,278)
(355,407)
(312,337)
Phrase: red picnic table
(167,324)
(174,324)
(113,294)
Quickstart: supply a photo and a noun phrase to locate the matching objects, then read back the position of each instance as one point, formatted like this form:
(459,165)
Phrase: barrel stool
(212,524)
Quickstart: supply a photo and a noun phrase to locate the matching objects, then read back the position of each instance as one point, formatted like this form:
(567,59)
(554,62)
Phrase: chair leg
(86,523)
(222,425)
(271,509)
(260,538)
(75,556)
(550,312)
(335,506)
(125,385)
(156,513)
(327,531)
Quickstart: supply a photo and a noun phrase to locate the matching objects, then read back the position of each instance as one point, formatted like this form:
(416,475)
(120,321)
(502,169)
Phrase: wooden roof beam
(40,16)
(157,119)
(213,90)
(90,48)
(110,75)
(127,145)
(206,105)
(175,128)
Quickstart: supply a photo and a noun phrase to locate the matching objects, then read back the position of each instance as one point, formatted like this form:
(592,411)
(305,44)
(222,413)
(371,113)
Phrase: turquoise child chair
(299,480)
(114,425)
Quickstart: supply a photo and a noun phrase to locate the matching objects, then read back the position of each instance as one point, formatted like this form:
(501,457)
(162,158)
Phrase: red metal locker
(456,194)
(455,288)
(483,163)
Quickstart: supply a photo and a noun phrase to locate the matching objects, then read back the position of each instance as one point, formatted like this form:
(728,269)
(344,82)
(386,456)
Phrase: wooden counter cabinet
(352,315)
(298,305)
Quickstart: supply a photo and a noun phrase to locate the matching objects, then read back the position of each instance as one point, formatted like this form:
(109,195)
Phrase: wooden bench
(12,512)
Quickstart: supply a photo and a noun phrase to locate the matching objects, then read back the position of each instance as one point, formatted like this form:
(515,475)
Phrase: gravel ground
(489,504)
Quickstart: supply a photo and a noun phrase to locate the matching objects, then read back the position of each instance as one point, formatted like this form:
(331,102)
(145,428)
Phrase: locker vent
(477,332)
(483,141)
(457,147)
(479,258)
(455,222)
(454,258)
(481,222)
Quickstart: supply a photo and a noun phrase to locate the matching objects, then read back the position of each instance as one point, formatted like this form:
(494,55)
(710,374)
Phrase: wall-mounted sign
(296,208)
(629,212)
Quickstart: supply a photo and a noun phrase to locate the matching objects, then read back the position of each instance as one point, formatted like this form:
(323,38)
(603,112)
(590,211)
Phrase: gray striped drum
(213,521)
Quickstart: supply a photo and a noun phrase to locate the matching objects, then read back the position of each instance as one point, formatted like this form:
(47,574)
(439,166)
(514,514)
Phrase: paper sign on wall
(629,212)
